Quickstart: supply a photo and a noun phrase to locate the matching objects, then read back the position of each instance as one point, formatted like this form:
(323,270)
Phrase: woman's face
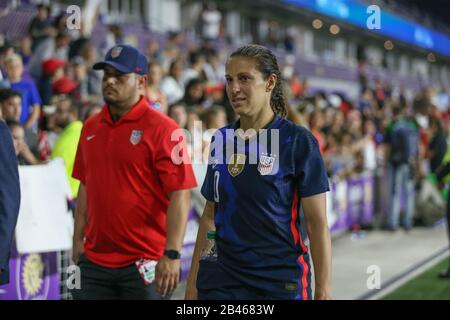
(196,92)
(179,114)
(18,135)
(247,91)
(154,74)
(177,70)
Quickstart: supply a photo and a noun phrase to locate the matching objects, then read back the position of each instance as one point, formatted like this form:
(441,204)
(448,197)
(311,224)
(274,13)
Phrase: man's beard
(114,103)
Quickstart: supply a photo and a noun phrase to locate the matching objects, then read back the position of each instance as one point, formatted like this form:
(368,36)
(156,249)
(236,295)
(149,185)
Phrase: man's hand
(167,275)
(77,250)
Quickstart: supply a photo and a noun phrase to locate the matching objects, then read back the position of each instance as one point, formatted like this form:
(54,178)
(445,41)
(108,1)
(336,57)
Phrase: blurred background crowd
(376,106)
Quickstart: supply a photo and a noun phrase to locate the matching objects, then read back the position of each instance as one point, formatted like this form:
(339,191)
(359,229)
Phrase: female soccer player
(265,183)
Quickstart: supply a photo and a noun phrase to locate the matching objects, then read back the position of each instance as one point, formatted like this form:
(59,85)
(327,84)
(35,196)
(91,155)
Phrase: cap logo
(115,52)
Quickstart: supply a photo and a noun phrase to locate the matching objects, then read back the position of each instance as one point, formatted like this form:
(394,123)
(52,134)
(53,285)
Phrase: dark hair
(43,6)
(187,99)
(12,124)
(173,65)
(174,105)
(267,64)
(5,94)
(195,57)
(397,110)
(208,114)
(74,105)
(421,103)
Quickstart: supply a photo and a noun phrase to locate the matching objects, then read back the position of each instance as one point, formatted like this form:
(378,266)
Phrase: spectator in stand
(195,71)
(211,22)
(5,51)
(172,86)
(315,126)
(23,152)
(154,53)
(178,112)
(214,118)
(379,93)
(78,72)
(53,47)
(52,71)
(66,117)
(87,80)
(438,144)
(67,86)
(31,101)
(113,36)
(40,27)
(154,94)
(94,77)
(91,110)
(214,69)
(194,96)
(369,146)
(11,109)
(401,145)
(25,50)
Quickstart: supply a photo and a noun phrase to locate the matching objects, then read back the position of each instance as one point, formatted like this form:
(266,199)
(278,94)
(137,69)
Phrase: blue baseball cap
(124,58)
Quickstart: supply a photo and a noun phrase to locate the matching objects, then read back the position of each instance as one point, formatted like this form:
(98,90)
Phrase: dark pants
(100,283)
(232,293)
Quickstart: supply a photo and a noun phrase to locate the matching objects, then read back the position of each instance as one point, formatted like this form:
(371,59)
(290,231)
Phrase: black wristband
(172,254)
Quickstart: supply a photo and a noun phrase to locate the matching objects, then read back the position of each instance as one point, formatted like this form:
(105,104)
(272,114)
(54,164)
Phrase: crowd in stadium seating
(49,72)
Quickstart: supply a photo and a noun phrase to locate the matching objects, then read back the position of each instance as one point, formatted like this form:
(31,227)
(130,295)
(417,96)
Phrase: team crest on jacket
(266,163)
(135,137)
(115,52)
(236,164)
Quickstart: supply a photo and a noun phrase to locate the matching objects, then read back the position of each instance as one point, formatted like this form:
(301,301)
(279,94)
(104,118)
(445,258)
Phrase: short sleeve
(174,174)
(309,166)
(215,157)
(208,184)
(35,98)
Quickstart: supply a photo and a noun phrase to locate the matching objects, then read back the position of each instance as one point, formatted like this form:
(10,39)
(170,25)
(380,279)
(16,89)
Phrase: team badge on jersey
(236,164)
(135,137)
(266,163)
(115,52)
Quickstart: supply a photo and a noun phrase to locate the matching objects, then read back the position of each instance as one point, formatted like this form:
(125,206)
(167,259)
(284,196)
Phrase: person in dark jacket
(9,199)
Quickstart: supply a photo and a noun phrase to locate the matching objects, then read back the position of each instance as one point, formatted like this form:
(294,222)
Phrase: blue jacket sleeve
(9,198)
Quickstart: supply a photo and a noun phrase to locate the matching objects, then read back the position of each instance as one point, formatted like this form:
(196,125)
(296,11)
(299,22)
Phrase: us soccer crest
(136,136)
(236,164)
(266,164)
(115,52)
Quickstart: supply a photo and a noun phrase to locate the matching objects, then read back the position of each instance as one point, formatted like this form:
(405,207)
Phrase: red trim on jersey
(298,239)
(294,215)
(304,277)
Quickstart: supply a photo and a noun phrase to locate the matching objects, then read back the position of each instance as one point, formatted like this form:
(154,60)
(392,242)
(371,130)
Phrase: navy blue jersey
(257,206)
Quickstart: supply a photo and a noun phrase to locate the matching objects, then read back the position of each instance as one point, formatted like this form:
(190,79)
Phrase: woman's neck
(257,121)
